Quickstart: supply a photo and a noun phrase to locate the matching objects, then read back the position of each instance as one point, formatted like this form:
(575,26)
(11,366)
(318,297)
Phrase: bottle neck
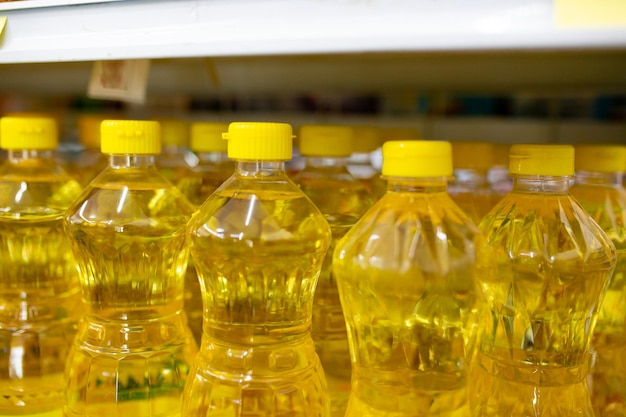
(417,185)
(131,161)
(541,183)
(470,176)
(17,155)
(212,157)
(611,179)
(259,168)
(326,161)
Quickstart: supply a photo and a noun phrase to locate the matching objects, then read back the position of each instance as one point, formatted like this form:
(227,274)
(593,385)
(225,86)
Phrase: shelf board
(64,31)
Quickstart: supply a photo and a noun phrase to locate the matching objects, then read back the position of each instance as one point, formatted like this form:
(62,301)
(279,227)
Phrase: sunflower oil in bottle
(258,244)
(498,174)
(133,349)
(553,267)
(39,289)
(470,188)
(90,161)
(598,188)
(342,199)
(175,160)
(409,291)
(212,170)
(366,139)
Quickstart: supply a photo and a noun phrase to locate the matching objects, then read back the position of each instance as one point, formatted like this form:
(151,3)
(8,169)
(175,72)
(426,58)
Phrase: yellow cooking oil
(39,290)
(90,161)
(553,267)
(175,160)
(258,244)
(598,188)
(409,290)
(133,349)
(343,199)
(470,188)
(197,185)
(366,140)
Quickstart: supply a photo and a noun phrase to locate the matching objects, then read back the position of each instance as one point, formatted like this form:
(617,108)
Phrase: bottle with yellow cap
(212,170)
(90,161)
(598,188)
(258,244)
(39,289)
(366,140)
(133,349)
(498,174)
(409,291)
(175,160)
(342,199)
(470,188)
(553,266)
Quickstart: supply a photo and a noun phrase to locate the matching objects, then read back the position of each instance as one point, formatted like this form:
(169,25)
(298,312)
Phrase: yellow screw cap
(318,140)
(28,133)
(552,160)
(134,137)
(417,159)
(89,129)
(472,155)
(259,141)
(600,158)
(207,137)
(366,139)
(174,132)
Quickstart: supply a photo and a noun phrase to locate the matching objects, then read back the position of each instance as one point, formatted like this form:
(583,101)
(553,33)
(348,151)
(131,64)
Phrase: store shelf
(70,31)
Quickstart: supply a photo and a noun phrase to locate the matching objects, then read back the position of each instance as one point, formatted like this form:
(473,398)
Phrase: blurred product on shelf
(39,290)
(342,199)
(399,133)
(553,267)
(367,139)
(409,291)
(469,188)
(90,161)
(133,349)
(175,160)
(258,244)
(212,170)
(598,188)
(498,173)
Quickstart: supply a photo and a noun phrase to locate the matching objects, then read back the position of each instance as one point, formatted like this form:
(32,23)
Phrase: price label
(124,80)
(586,13)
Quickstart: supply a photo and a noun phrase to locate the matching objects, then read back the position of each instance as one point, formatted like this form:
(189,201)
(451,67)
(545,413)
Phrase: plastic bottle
(367,139)
(212,170)
(39,290)
(342,199)
(470,189)
(176,160)
(90,161)
(598,188)
(498,175)
(258,244)
(410,296)
(133,349)
(553,266)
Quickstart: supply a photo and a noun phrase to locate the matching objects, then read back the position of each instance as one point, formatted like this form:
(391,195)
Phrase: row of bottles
(319,296)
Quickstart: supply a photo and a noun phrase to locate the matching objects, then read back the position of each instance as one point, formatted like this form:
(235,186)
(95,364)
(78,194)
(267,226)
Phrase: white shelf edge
(213,28)
(38,4)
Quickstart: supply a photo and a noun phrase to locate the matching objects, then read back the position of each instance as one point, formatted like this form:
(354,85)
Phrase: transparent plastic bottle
(39,290)
(90,161)
(133,349)
(258,244)
(212,170)
(367,139)
(409,291)
(553,266)
(470,188)
(498,174)
(175,160)
(598,188)
(342,199)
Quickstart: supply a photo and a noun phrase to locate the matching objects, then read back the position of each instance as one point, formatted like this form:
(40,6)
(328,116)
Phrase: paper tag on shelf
(586,13)
(124,80)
